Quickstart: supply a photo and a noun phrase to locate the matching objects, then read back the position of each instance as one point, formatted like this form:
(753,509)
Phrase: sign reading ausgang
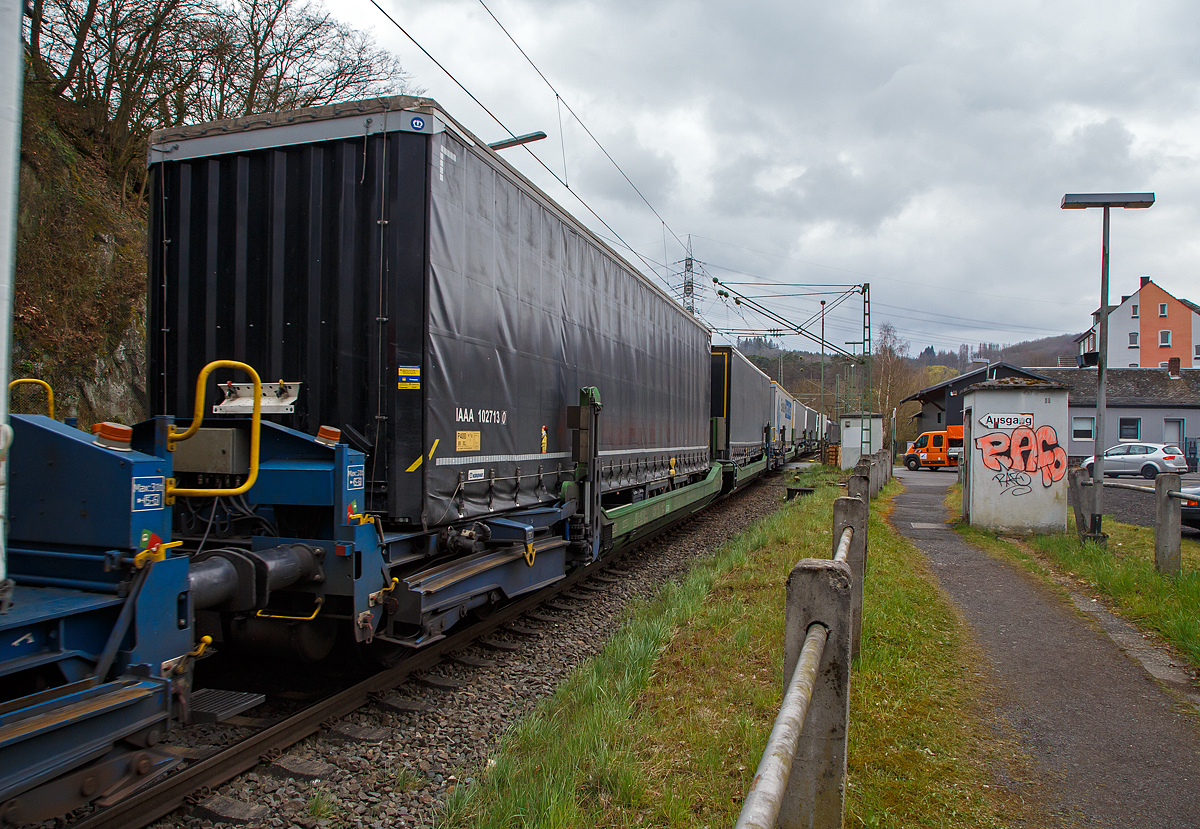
(1006,421)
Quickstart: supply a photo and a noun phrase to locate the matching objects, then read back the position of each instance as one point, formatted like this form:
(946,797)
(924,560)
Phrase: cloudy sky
(921,146)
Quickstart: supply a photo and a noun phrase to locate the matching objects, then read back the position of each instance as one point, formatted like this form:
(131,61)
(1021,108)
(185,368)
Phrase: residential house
(1148,405)
(1146,330)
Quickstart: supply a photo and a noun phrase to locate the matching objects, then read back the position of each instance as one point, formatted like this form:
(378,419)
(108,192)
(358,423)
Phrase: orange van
(935,450)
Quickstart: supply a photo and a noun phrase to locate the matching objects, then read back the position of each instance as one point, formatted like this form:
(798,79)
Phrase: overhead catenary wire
(512,134)
(592,136)
(862,273)
(784,322)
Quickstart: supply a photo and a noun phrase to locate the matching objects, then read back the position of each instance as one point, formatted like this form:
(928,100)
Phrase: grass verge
(1123,573)
(666,726)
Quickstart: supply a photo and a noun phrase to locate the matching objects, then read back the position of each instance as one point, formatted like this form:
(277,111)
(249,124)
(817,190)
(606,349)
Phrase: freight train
(393,384)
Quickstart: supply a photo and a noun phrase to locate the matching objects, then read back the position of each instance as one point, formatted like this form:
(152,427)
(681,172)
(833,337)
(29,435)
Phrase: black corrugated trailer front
(437,307)
(742,396)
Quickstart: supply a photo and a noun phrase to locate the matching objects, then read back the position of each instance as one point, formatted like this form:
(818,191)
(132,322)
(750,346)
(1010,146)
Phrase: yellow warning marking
(417,463)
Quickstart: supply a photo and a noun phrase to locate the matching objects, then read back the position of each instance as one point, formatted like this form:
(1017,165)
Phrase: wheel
(912,464)
(1150,471)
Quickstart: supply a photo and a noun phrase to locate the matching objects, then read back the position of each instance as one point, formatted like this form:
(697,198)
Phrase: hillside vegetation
(80,278)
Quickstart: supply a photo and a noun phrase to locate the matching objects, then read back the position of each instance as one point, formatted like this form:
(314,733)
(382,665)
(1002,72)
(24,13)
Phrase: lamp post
(1080,201)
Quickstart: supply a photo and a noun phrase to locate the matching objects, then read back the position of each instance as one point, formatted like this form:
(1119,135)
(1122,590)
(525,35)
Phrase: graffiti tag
(1025,450)
(1014,483)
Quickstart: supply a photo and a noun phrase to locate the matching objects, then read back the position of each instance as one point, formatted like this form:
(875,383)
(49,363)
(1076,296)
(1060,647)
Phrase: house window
(1130,428)
(1133,340)
(1164,338)
(1198,352)
(1134,314)
(1162,309)
(1134,365)
(1082,428)
(1164,365)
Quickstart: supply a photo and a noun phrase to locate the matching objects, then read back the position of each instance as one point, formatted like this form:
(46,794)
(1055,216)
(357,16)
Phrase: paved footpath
(1108,744)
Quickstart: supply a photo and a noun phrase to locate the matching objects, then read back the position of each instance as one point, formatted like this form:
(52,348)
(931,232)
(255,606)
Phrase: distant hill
(1043,352)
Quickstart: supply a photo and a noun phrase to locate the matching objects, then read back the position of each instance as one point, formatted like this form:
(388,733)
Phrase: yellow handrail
(174,437)
(263,614)
(43,384)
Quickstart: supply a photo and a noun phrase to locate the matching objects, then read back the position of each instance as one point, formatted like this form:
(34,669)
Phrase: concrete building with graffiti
(1146,330)
(1151,405)
(1014,458)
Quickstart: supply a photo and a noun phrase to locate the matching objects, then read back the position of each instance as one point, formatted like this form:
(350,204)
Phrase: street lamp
(821,413)
(517,141)
(1080,201)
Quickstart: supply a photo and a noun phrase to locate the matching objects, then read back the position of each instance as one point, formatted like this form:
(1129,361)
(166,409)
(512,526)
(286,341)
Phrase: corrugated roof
(1018,383)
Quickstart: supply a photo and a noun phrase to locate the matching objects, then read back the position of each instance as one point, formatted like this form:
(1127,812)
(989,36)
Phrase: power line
(580,120)
(857,273)
(511,134)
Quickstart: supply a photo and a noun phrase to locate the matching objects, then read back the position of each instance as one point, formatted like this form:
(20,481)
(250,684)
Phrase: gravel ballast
(393,763)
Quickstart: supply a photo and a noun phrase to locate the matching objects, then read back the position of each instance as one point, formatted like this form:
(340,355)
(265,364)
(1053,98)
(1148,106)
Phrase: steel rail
(169,794)
(163,797)
(765,798)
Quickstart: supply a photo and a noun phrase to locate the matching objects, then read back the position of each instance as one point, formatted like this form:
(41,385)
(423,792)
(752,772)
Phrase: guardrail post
(864,468)
(859,486)
(852,512)
(1166,524)
(819,591)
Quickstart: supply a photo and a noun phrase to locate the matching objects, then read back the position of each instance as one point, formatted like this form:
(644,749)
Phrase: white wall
(1019,488)
(1122,323)
(852,438)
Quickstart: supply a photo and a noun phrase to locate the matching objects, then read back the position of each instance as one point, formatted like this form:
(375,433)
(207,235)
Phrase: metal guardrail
(801,779)
(1135,488)
(761,808)
(1168,499)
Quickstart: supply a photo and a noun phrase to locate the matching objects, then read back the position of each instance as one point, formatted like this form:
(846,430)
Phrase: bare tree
(895,375)
(138,65)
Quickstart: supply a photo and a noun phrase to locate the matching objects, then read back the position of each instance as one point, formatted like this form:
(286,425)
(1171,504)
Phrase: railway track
(547,613)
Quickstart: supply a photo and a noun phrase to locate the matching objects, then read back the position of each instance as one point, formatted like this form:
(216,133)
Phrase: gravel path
(392,764)
(1109,746)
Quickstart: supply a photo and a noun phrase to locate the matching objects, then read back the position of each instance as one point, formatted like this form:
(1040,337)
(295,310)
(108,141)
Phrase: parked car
(1145,459)
(1189,512)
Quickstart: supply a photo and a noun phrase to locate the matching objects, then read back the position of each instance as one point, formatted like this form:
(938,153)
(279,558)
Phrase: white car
(1145,459)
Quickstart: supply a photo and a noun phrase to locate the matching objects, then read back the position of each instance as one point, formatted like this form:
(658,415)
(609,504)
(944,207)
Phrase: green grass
(666,726)
(321,805)
(1124,573)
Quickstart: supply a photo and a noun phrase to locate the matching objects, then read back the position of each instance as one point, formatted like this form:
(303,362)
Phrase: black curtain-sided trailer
(522,396)
(743,406)
(436,307)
